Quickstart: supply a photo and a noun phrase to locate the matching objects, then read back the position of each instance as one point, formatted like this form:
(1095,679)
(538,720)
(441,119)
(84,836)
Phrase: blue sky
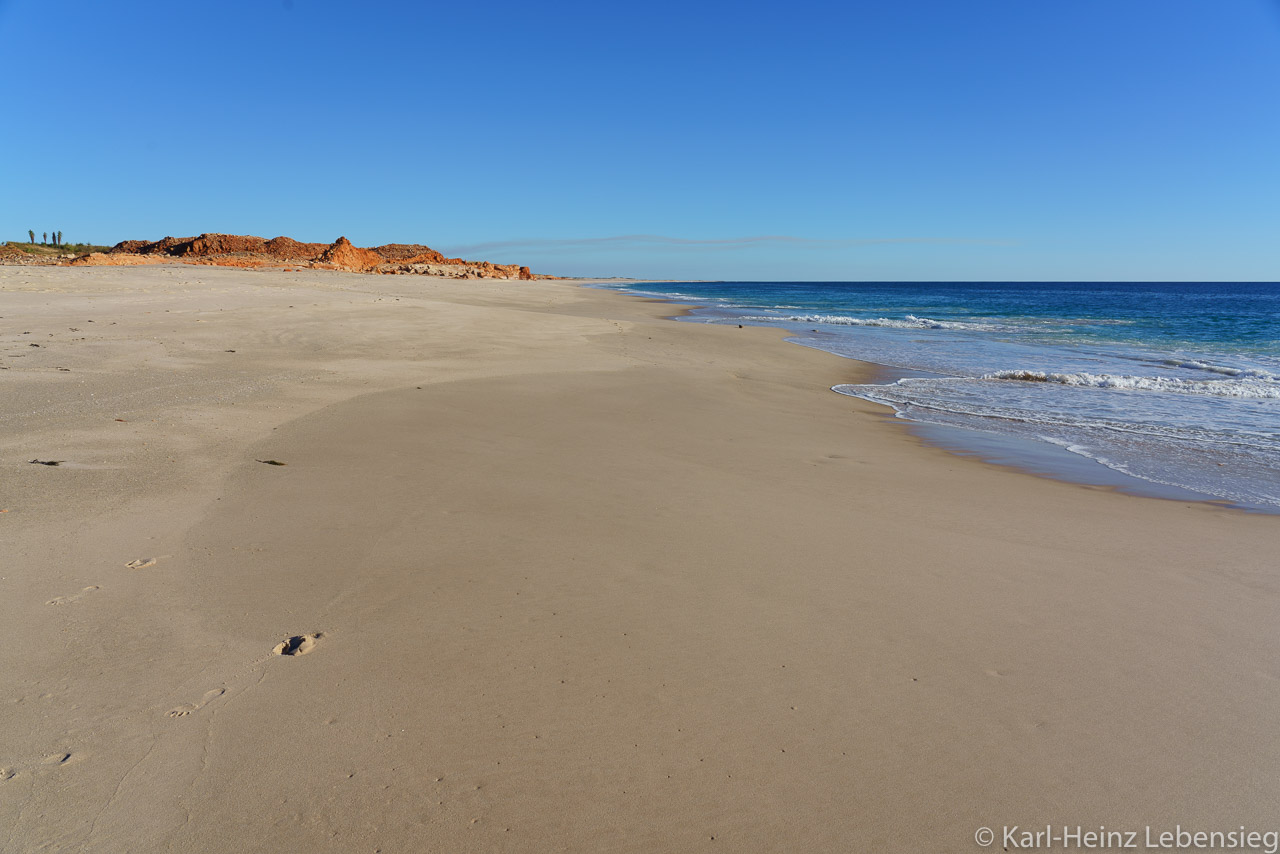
(890,140)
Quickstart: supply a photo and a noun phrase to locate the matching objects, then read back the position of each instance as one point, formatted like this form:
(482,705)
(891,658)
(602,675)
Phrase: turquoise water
(1176,384)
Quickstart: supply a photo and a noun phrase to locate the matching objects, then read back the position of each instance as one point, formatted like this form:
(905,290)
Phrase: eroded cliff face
(236,250)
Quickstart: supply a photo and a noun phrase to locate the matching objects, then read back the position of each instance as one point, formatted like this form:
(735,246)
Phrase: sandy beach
(561,574)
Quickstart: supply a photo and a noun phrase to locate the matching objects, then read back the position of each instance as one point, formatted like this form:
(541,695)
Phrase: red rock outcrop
(344,256)
(286,248)
(144,247)
(235,250)
(410,253)
(219,244)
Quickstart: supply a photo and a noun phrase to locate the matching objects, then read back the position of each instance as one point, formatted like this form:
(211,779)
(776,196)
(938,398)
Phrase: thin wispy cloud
(635,241)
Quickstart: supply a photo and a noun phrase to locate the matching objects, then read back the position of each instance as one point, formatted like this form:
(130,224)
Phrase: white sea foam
(910,321)
(1249,387)
(1150,444)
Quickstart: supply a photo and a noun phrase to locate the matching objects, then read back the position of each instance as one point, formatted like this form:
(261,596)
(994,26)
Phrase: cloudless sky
(894,140)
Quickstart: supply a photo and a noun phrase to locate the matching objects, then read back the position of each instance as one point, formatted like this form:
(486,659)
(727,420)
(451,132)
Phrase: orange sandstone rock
(286,248)
(344,256)
(409,253)
(117,259)
(247,251)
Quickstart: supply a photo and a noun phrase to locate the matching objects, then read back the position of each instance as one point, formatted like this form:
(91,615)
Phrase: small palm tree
(32,235)
(59,238)
(44,238)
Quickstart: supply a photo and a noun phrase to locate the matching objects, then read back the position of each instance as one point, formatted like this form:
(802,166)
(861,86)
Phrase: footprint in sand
(144,562)
(295,645)
(67,600)
(50,760)
(298,644)
(190,708)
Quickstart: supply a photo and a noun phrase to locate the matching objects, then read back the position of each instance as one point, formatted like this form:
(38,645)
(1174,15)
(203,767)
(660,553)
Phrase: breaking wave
(1252,386)
(910,321)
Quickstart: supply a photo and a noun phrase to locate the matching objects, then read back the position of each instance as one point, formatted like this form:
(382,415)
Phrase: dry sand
(558,574)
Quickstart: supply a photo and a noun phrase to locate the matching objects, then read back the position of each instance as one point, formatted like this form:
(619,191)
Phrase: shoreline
(1029,456)
(568,576)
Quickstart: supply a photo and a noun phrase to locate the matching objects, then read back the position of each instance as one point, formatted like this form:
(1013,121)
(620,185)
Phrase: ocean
(1173,388)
